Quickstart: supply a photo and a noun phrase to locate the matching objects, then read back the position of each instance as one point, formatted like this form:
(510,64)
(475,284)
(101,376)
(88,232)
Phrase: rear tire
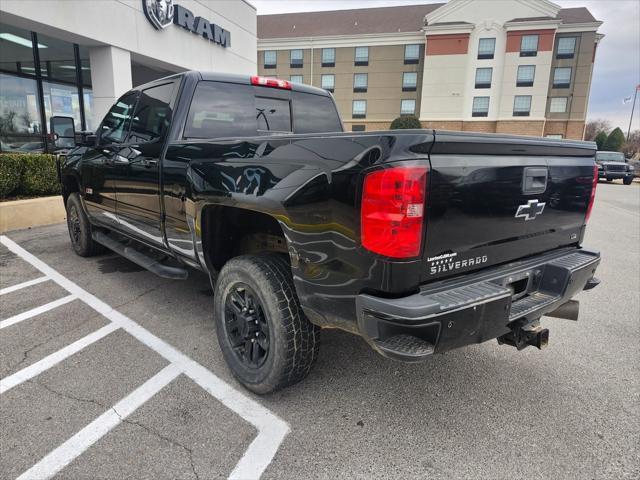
(265,338)
(80,229)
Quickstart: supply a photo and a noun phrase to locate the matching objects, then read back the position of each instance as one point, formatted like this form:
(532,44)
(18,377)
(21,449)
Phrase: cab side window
(116,123)
(153,114)
(221,110)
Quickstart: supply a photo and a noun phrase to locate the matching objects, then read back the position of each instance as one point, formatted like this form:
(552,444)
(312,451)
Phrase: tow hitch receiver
(523,336)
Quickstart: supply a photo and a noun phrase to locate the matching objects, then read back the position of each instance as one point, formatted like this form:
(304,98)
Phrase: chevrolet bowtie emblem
(531,210)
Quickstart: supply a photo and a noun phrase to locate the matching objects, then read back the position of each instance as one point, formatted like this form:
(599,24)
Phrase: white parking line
(271,429)
(35,311)
(81,441)
(49,361)
(22,285)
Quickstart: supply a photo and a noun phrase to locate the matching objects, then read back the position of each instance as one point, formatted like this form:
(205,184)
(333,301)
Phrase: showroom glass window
(31,93)
(20,114)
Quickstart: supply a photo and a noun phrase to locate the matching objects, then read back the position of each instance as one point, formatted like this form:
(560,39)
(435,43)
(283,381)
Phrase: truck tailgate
(494,199)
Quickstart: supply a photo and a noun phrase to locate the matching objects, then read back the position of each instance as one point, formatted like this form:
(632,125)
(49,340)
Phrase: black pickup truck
(420,241)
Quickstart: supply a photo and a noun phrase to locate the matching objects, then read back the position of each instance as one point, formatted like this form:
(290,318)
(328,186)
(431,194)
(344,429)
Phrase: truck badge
(531,210)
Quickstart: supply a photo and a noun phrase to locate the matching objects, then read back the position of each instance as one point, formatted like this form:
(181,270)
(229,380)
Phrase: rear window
(315,114)
(231,110)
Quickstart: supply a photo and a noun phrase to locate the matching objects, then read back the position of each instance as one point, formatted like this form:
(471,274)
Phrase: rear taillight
(593,192)
(392,212)
(270,82)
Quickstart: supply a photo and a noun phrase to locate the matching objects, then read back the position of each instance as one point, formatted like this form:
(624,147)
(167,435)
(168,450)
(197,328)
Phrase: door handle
(149,162)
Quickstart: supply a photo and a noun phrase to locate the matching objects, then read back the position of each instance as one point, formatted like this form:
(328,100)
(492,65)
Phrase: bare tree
(596,126)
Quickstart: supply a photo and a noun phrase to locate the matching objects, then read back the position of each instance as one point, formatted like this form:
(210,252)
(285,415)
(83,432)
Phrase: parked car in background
(613,166)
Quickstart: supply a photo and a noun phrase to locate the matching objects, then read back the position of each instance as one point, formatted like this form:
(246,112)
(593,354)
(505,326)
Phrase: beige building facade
(506,66)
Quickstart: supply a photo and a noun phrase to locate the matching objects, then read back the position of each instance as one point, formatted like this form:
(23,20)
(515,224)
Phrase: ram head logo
(158,12)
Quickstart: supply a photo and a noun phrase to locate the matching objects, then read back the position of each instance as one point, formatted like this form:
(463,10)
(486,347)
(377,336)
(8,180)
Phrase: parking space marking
(49,361)
(271,429)
(35,311)
(62,456)
(22,285)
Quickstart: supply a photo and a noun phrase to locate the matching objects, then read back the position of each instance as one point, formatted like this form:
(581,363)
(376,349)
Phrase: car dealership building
(76,57)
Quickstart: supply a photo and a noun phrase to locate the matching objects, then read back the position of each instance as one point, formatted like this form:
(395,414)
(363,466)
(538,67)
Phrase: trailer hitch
(528,335)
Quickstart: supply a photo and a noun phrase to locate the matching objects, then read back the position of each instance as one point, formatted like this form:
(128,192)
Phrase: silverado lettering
(406,237)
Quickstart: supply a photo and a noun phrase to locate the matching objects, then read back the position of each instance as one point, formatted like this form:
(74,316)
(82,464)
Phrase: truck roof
(230,78)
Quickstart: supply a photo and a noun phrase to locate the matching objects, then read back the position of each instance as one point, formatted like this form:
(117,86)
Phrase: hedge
(408,121)
(28,174)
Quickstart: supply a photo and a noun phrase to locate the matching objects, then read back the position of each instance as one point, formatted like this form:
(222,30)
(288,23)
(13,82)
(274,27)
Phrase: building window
(558,105)
(529,46)
(486,48)
(407,107)
(562,77)
(358,128)
(566,47)
(411,54)
(362,56)
(359,109)
(555,136)
(483,77)
(328,57)
(297,78)
(409,81)
(30,93)
(328,82)
(296,58)
(360,82)
(526,75)
(522,105)
(270,59)
(480,107)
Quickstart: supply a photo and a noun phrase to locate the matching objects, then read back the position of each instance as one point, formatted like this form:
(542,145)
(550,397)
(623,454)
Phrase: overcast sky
(617,70)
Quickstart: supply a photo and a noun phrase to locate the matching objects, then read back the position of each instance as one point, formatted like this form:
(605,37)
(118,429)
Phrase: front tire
(265,338)
(80,229)
(627,180)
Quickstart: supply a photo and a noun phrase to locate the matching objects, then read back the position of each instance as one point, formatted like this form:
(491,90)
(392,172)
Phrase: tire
(627,180)
(272,345)
(80,229)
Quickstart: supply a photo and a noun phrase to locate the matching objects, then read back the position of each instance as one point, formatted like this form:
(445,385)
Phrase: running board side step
(139,258)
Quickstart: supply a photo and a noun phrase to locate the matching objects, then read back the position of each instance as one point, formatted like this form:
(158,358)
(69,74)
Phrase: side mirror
(63,132)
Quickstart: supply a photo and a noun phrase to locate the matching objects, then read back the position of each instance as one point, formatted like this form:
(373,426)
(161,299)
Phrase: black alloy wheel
(73,222)
(246,326)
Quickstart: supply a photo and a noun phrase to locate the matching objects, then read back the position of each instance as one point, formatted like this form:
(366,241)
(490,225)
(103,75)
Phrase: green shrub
(405,122)
(28,174)
(10,170)
(614,140)
(601,139)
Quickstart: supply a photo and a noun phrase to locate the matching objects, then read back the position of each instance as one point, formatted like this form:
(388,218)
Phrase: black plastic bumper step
(145,261)
(406,346)
(530,303)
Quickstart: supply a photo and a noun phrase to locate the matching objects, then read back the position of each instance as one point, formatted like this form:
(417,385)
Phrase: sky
(617,67)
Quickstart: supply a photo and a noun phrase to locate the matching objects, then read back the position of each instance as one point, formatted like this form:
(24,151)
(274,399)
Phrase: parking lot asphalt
(153,398)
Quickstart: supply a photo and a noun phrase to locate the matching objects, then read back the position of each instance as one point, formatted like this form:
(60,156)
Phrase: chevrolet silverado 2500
(420,241)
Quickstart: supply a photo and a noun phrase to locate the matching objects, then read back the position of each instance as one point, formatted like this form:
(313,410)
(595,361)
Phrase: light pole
(633,107)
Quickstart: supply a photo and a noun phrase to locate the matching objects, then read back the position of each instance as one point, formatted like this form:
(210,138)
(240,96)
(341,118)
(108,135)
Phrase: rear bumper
(476,307)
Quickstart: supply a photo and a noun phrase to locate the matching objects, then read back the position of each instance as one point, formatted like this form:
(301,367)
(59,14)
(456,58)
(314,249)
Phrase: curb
(33,212)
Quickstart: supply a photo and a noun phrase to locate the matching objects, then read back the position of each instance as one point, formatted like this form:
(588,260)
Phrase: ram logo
(158,12)
(531,210)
